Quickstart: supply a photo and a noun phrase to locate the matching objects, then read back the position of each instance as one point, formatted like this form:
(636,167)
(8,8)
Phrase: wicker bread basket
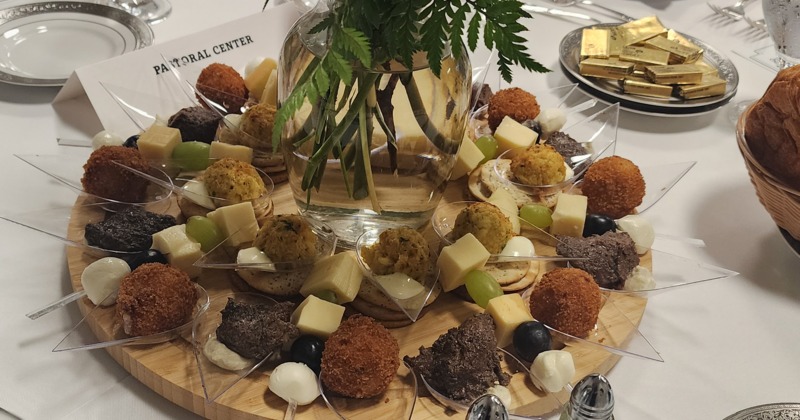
(781,201)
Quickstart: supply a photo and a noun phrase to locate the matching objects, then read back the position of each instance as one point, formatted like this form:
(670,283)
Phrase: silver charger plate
(42,43)
(777,411)
(610,91)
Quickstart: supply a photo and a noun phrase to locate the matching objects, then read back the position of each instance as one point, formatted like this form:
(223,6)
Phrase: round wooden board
(170,368)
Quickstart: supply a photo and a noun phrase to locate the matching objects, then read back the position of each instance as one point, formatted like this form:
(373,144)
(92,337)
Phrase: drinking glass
(783,24)
(150,11)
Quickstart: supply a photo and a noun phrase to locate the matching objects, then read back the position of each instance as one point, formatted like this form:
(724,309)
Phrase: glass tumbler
(783,24)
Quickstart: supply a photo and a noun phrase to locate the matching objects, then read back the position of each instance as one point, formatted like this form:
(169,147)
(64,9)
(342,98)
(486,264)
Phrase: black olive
(132,142)
(530,339)
(308,349)
(597,224)
(144,257)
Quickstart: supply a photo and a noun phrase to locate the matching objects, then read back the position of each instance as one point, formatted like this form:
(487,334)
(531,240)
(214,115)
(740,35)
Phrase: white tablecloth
(726,344)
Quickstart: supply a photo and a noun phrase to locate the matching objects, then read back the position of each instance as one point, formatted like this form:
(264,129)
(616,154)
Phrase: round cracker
(275,283)
(526,281)
(372,294)
(476,187)
(189,208)
(377,312)
(507,272)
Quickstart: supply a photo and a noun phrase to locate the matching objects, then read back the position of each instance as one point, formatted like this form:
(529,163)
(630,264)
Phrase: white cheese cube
(511,135)
(508,311)
(221,150)
(171,239)
(317,317)
(339,273)
(469,157)
(184,258)
(569,215)
(158,142)
(270,94)
(237,222)
(506,203)
(458,259)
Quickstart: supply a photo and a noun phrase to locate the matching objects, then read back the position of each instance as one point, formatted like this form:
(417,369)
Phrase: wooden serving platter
(170,368)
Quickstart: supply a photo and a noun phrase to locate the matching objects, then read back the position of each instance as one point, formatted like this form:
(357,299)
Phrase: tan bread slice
(280,284)
(507,272)
(526,281)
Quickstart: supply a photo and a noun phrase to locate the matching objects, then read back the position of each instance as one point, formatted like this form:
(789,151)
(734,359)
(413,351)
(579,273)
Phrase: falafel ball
(360,358)
(286,237)
(516,103)
(103,178)
(487,223)
(614,186)
(222,85)
(400,250)
(257,123)
(567,299)
(155,298)
(538,165)
(234,181)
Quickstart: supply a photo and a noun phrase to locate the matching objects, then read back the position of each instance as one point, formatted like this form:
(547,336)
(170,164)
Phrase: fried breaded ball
(222,85)
(613,186)
(487,223)
(515,103)
(155,298)
(360,358)
(286,237)
(400,250)
(103,178)
(257,122)
(538,165)
(567,299)
(233,180)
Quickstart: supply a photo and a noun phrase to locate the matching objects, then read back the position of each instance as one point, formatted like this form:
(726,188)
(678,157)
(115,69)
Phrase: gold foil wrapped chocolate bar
(678,74)
(595,43)
(644,56)
(606,68)
(708,86)
(637,86)
(678,54)
(642,29)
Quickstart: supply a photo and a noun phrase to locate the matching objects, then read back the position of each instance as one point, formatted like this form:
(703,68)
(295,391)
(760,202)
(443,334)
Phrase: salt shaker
(591,399)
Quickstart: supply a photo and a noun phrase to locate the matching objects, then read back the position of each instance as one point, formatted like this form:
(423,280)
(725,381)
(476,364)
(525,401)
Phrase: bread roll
(772,128)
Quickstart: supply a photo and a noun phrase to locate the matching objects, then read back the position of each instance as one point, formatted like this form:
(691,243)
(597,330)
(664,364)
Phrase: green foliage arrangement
(367,34)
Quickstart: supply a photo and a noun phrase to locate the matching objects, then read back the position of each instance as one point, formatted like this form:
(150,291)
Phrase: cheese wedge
(458,259)
(317,317)
(185,257)
(468,158)
(569,215)
(506,203)
(237,222)
(256,80)
(158,142)
(171,239)
(511,135)
(221,150)
(508,311)
(339,273)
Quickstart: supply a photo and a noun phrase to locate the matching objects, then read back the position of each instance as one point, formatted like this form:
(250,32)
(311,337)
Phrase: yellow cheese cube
(569,215)
(171,239)
(511,135)
(508,311)
(506,203)
(317,317)
(157,142)
(339,273)
(185,257)
(469,157)
(237,222)
(270,94)
(458,259)
(221,150)
(256,80)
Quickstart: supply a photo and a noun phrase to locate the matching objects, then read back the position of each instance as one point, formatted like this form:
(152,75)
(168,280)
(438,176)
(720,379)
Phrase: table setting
(712,337)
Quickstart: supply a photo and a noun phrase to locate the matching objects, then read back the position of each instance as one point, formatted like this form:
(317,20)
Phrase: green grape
(488,146)
(326,294)
(203,230)
(482,287)
(537,215)
(191,155)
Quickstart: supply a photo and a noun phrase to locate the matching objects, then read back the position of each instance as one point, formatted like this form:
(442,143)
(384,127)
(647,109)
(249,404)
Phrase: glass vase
(391,164)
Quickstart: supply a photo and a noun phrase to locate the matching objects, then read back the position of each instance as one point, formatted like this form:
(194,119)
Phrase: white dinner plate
(42,43)
(609,91)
